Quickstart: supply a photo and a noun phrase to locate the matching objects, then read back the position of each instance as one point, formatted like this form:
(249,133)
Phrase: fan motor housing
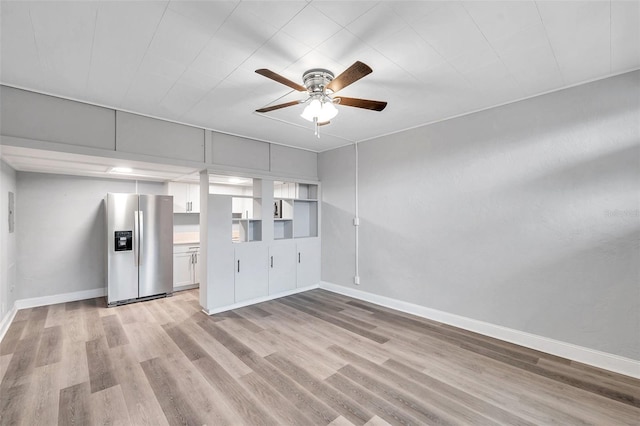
(316,80)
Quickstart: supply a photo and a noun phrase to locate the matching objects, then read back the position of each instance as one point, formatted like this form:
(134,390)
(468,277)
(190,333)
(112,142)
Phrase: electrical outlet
(356,280)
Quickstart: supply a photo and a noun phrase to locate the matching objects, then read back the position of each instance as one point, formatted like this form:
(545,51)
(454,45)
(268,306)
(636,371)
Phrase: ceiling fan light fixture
(313,108)
(319,110)
(321,85)
(329,111)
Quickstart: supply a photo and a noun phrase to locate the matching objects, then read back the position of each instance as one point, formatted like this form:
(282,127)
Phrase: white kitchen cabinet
(282,267)
(196,267)
(186,197)
(181,269)
(308,262)
(185,266)
(251,271)
(144,135)
(193,197)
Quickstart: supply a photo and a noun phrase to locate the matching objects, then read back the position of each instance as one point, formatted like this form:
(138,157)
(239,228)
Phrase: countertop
(186,238)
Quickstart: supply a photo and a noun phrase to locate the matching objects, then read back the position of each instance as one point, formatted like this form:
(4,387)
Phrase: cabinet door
(180,196)
(251,273)
(194,198)
(282,267)
(308,262)
(196,267)
(182,269)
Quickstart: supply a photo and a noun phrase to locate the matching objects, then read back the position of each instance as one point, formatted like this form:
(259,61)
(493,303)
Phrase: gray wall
(525,216)
(7,241)
(61,242)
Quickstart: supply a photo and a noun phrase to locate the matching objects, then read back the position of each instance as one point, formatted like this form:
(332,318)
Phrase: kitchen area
(60,171)
(186,223)
(262,239)
(265,231)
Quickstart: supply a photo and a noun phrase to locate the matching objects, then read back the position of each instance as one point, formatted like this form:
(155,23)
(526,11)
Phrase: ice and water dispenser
(123,240)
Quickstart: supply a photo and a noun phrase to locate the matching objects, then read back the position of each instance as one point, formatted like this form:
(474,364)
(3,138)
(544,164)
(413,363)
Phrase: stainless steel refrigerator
(139,247)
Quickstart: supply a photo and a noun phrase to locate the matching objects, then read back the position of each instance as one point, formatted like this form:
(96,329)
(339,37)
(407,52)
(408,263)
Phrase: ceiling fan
(321,87)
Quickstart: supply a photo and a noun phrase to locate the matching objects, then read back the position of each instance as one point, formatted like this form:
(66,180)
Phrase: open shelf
(250,230)
(295,210)
(305,216)
(282,229)
(246,222)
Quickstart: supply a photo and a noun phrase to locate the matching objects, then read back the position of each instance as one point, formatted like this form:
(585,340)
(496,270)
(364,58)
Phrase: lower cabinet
(185,266)
(307,262)
(282,267)
(251,273)
(265,269)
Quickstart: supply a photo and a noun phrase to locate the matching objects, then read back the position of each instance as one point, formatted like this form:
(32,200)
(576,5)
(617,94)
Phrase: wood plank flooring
(315,358)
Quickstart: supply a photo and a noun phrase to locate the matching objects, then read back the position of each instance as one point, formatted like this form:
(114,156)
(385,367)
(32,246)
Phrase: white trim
(185,287)
(6,321)
(570,351)
(259,300)
(47,300)
(60,298)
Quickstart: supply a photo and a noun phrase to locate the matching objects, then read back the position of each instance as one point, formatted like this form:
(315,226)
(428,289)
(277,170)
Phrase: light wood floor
(312,358)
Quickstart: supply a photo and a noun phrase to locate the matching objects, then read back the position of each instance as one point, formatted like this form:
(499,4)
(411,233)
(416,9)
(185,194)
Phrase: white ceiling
(193,61)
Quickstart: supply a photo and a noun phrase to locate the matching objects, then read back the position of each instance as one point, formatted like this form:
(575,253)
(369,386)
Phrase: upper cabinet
(234,151)
(138,134)
(186,197)
(45,118)
(36,121)
(286,161)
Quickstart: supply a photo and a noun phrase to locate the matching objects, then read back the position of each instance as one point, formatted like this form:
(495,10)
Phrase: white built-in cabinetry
(251,274)
(185,266)
(246,212)
(186,197)
(282,267)
(272,237)
(295,210)
(308,262)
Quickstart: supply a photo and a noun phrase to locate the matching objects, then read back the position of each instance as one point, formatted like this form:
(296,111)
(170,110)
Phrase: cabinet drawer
(185,249)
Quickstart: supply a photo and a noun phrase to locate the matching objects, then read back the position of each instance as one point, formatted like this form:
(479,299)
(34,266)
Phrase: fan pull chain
(316,127)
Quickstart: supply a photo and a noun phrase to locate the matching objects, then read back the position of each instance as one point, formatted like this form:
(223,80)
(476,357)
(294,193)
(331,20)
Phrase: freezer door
(155,245)
(122,268)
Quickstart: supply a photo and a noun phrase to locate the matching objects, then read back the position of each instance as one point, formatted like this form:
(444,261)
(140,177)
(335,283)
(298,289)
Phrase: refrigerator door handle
(140,235)
(136,240)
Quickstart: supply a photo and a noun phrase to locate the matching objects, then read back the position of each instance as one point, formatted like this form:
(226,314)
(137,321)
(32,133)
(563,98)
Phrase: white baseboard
(258,300)
(6,321)
(47,300)
(570,351)
(186,287)
(60,298)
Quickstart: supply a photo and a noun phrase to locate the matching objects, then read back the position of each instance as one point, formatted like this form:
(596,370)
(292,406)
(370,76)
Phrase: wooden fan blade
(280,79)
(352,74)
(274,107)
(363,103)
(324,123)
